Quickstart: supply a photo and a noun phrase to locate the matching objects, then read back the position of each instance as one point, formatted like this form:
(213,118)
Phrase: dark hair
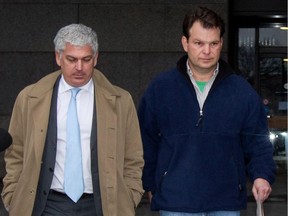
(208,18)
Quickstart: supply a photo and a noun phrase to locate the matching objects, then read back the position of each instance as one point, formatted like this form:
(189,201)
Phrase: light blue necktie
(73,179)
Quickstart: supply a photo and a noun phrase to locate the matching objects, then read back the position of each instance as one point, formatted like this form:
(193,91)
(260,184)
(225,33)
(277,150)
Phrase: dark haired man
(202,127)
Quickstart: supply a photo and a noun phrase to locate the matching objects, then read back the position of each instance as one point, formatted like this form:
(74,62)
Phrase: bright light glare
(284,134)
(272,136)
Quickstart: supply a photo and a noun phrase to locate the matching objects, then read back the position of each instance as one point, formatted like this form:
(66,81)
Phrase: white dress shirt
(85,104)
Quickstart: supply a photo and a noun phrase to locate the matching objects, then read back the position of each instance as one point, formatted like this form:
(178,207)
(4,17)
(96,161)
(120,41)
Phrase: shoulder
(226,72)
(165,78)
(42,86)
(104,85)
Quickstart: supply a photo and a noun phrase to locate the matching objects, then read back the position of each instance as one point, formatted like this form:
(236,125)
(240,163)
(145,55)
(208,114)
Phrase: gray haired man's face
(77,64)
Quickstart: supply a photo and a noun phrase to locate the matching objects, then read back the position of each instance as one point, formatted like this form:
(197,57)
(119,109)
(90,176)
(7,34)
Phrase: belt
(84,195)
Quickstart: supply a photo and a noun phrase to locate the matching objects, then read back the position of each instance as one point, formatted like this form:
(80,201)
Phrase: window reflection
(272,85)
(272,37)
(246,53)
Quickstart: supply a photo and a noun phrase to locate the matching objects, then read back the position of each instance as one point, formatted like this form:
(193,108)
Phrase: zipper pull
(200,118)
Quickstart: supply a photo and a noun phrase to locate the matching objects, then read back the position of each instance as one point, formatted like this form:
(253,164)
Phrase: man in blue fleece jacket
(204,129)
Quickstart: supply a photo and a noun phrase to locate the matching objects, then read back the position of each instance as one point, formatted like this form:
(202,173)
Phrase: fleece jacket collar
(224,70)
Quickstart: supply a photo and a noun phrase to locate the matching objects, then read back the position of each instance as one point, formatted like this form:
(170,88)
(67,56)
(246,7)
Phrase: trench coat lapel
(106,125)
(107,122)
(39,104)
(40,113)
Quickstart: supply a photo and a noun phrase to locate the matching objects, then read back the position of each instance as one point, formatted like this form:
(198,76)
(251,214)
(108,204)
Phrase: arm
(259,151)
(14,154)
(133,164)
(150,139)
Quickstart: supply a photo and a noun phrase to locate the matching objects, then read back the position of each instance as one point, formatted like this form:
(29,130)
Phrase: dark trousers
(59,204)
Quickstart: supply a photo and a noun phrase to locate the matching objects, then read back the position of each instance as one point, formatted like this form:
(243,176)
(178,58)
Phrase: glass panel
(246,53)
(272,37)
(269,71)
(279,140)
(273,85)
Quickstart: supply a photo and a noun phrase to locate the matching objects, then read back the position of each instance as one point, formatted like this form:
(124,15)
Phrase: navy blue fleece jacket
(194,162)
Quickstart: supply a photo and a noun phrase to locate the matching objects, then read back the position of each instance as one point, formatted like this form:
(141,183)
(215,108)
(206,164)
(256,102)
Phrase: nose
(206,49)
(79,65)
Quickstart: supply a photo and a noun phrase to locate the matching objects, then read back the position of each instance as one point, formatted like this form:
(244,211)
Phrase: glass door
(261,58)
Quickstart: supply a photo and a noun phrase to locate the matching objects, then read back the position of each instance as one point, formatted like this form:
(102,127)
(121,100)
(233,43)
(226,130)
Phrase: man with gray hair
(76,141)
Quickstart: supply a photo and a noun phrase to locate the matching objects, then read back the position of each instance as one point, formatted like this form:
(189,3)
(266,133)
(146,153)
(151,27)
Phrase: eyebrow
(70,56)
(200,40)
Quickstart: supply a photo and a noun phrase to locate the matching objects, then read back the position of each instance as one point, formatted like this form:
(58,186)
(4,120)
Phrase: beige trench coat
(120,154)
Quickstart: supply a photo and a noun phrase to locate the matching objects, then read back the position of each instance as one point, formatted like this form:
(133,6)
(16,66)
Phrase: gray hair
(77,35)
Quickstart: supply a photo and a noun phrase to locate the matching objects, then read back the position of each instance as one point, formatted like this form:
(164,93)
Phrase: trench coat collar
(46,84)
(40,97)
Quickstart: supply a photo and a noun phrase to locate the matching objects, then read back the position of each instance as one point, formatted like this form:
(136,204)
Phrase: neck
(202,76)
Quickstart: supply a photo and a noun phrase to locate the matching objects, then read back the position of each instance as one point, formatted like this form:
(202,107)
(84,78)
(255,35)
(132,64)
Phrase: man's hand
(149,193)
(261,189)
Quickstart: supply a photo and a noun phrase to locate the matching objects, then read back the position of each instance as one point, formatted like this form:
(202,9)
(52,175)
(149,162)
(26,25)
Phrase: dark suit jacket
(49,158)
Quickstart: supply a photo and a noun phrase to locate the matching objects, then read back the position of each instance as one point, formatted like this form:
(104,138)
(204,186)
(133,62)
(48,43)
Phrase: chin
(209,64)
(78,83)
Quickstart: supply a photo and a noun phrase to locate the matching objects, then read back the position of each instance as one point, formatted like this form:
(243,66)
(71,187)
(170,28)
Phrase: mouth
(78,75)
(206,60)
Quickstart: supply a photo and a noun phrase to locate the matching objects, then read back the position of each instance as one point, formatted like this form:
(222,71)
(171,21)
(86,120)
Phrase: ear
(96,58)
(221,41)
(58,58)
(184,41)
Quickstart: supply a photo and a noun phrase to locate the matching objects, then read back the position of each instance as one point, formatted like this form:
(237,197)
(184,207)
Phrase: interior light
(277,16)
(284,28)
(272,136)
